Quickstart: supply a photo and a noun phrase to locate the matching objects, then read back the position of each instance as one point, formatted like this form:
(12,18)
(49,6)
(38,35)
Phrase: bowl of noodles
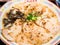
(30,22)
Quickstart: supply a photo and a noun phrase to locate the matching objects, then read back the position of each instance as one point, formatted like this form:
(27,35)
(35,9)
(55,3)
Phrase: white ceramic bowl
(53,7)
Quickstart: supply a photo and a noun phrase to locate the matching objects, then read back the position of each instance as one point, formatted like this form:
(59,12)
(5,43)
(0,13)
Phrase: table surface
(1,43)
(2,3)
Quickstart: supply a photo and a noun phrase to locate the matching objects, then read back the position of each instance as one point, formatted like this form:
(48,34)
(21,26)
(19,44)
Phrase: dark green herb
(13,16)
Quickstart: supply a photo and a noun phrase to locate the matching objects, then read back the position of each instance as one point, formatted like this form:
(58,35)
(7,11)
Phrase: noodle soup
(30,23)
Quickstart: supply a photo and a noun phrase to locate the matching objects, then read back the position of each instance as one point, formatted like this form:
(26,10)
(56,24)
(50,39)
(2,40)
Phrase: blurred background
(57,2)
(2,2)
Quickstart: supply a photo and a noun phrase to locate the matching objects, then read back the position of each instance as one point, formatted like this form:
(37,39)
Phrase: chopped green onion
(31,17)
